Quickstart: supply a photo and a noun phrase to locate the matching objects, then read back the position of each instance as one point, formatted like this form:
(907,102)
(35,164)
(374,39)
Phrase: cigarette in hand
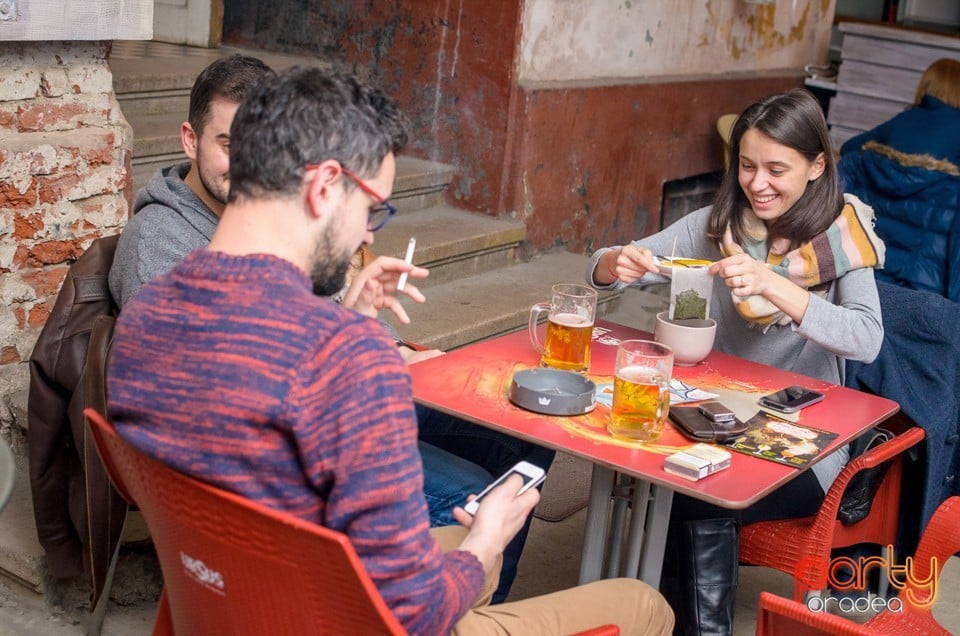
(408,259)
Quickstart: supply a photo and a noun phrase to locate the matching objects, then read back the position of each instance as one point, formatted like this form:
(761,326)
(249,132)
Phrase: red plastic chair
(801,547)
(940,541)
(233,567)
(778,616)
(603,630)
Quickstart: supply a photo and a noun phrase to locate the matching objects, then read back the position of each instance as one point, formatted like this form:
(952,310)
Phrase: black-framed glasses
(379,214)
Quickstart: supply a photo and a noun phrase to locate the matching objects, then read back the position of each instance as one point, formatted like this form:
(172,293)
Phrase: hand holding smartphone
(791,399)
(531,474)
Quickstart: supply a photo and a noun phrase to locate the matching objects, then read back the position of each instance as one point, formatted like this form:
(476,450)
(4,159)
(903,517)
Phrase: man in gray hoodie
(177,211)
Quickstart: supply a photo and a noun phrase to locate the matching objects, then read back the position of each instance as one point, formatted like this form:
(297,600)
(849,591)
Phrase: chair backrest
(940,541)
(777,616)
(880,525)
(233,567)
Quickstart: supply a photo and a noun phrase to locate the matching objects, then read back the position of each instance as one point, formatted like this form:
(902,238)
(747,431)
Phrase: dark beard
(328,278)
(328,272)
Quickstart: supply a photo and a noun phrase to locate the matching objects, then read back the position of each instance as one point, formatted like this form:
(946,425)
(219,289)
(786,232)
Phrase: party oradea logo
(916,581)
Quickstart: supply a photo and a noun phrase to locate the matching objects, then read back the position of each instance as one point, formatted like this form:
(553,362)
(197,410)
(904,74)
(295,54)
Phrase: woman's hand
(748,277)
(375,287)
(628,265)
(744,274)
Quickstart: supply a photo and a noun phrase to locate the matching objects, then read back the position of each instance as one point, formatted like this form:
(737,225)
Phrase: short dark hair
(307,115)
(229,78)
(795,120)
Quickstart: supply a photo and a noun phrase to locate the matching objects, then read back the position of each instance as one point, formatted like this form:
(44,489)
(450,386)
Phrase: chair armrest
(827,514)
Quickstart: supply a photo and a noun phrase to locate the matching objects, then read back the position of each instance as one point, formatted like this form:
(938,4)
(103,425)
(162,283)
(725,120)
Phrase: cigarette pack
(697,462)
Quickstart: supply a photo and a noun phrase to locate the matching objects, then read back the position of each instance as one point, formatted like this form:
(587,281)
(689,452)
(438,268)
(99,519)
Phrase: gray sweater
(169,222)
(845,323)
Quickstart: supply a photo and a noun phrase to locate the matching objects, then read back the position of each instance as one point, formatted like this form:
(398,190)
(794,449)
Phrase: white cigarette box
(697,462)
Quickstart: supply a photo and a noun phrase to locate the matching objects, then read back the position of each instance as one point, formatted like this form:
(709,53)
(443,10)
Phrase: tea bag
(690,292)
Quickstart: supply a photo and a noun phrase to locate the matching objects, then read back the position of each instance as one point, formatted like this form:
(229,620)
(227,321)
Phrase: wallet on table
(692,423)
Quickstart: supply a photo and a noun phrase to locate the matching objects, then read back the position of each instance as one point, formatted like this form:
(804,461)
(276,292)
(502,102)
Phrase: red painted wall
(449,64)
(590,163)
(584,166)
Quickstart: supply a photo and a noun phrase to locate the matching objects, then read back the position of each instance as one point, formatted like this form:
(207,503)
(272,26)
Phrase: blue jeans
(496,453)
(447,480)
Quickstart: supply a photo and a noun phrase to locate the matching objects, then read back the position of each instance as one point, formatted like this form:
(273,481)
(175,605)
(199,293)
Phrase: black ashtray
(553,392)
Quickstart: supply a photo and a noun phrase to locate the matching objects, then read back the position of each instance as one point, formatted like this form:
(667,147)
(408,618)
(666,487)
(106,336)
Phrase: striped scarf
(848,244)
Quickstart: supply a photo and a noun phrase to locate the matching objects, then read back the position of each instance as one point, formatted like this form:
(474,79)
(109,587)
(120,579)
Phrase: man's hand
(497,521)
(375,287)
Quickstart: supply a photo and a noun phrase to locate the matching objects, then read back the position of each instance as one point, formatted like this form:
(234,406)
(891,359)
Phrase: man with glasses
(232,368)
(179,209)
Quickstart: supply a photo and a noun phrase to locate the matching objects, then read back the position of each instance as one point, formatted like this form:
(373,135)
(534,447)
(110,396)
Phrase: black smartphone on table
(791,399)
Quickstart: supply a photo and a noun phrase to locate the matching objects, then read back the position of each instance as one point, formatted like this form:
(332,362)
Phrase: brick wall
(64,181)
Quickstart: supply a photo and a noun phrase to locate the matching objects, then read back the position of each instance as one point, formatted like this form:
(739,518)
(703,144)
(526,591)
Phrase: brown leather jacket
(78,513)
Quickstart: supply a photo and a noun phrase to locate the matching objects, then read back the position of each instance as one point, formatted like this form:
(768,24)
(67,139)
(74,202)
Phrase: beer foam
(639,374)
(570,320)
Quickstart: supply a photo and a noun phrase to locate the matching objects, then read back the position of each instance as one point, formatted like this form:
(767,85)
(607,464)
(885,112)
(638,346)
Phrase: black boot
(670,577)
(709,573)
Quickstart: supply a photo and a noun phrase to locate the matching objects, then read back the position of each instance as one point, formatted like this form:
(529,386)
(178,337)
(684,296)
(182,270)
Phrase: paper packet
(690,291)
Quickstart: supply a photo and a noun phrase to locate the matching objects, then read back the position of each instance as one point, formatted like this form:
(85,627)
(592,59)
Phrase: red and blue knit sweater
(230,369)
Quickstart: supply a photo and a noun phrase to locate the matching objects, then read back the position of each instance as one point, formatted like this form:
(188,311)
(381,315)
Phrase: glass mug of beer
(641,390)
(571,311)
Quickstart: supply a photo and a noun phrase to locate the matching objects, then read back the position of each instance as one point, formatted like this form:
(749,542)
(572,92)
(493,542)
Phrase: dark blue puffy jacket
(918,216)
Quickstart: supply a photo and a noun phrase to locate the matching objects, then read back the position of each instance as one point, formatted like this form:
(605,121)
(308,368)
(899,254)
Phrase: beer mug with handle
(641,390)
(570,315)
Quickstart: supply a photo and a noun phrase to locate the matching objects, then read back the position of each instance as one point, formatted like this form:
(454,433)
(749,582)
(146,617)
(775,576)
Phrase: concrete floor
(550,562)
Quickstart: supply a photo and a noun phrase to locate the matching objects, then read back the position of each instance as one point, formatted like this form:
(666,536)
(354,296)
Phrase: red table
(473,383)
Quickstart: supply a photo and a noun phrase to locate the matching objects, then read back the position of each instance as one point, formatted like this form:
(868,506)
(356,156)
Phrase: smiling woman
(796,258)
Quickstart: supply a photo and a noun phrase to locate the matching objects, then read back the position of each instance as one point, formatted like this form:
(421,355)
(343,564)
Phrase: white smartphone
(531,474)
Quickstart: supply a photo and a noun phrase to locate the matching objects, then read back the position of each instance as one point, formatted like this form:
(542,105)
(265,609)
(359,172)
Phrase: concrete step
(451,243)
(155,134)
(473,308)
(175,101)
(146,67)
(419,183)
(152,81)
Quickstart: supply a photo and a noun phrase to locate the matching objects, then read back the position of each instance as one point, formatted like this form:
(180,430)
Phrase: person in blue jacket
(908,170)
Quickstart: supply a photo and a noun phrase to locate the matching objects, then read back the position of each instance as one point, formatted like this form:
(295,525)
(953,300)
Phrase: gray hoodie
(169,221)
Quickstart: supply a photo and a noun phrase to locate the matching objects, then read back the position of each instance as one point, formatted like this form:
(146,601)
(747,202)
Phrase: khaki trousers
(632,605)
